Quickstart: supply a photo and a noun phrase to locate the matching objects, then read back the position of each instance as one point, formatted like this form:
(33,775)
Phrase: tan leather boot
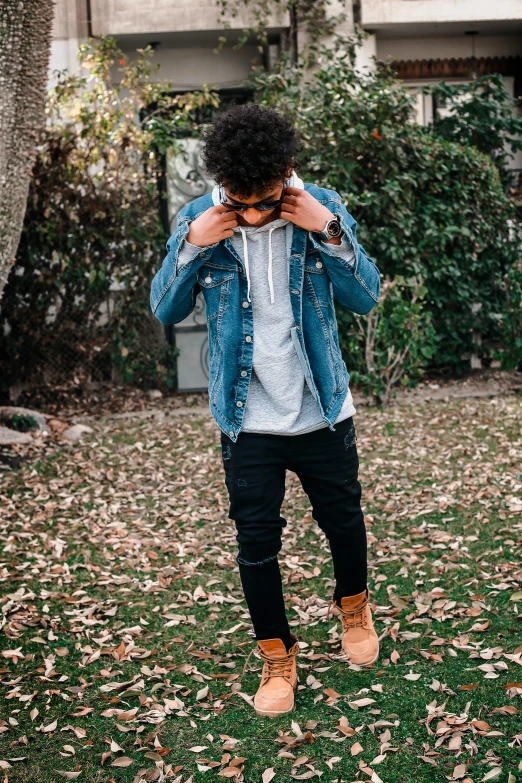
(275,695)
(360,641)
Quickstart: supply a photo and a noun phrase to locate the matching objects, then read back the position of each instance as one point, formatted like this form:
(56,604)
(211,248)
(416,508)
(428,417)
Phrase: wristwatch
(332,229)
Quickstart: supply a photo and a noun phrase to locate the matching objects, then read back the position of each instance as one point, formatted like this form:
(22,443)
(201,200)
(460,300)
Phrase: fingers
(287,215)
(227,234)
(228,220)
(289,198)
(289,206)
(227,213)
(222,210)
(289,191)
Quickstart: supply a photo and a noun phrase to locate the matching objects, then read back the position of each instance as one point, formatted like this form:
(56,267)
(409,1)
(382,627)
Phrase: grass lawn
(125,636)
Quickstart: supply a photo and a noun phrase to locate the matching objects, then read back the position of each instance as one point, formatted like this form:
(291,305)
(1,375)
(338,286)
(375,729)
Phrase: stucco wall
(380,12)
(69,27)
(188,67)
(70,19)
(120,17)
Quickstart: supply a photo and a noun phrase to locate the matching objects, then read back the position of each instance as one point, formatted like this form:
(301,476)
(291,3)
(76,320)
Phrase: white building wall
(366,52)
(125,17)
(63,56)
(189,67)
(389,12)
(69,27)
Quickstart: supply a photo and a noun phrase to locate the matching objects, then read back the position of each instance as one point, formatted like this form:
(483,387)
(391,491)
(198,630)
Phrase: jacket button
(231,433)
(245,304)
(248,338)
(208,279)
(318,264)
(243,373)
(239,404)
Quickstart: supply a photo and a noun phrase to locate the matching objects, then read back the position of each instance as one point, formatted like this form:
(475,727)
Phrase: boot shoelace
(278,667)
(351,618)
(354,618)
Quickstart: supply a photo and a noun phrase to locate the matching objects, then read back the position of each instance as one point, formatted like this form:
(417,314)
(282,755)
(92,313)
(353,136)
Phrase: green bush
(78,297)
(510,350)
(425,205)
(393,344)
(480,114)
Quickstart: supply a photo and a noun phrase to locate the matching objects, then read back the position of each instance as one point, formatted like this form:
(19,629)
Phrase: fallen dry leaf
(122,761)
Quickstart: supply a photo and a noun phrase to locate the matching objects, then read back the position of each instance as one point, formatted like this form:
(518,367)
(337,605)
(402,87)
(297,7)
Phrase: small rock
(154,393)
(13,438)
(8,411)
(75,432)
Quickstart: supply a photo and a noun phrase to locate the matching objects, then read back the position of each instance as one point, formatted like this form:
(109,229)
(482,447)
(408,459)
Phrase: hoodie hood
(293,182)
(217,194)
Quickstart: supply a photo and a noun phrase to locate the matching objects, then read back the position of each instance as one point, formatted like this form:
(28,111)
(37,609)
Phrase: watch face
(334,228)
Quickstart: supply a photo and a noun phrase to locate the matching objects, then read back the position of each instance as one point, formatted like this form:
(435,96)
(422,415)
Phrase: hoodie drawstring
(270,281)
(217,198)
(247,268)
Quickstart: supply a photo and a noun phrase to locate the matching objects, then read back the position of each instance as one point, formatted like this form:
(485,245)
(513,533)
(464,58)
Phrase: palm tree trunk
(25,40)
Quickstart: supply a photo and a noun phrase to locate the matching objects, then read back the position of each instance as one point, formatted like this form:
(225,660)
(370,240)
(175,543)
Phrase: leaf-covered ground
(125,636)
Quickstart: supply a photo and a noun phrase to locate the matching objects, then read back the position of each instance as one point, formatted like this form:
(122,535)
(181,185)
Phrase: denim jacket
(315,278)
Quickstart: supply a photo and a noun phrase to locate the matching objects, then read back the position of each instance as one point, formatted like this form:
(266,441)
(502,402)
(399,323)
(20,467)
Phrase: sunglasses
(262,206)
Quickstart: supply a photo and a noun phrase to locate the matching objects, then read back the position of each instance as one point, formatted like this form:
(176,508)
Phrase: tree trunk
(25,41)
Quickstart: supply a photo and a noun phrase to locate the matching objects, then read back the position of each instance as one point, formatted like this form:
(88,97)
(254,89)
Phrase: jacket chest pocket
(317,280)
(215,286)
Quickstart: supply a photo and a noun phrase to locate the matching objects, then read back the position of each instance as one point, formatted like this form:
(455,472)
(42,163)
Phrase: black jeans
(327,465)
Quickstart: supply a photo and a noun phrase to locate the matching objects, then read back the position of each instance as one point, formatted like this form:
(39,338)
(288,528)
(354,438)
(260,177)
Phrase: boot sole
(366,663)
(272,714)
(263,714)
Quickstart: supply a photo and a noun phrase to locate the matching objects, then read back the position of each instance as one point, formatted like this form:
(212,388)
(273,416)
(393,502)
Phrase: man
(269,254)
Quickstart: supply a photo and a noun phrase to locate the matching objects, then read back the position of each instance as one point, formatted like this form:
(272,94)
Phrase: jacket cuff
(188,252)
(344,251)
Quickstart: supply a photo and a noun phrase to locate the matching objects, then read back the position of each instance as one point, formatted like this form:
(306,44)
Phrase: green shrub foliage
(92,239)
(480,114)
(432,207)
(425,206)
(393,344)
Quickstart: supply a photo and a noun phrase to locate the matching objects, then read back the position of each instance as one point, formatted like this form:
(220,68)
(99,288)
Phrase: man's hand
(302,209)
(212,226)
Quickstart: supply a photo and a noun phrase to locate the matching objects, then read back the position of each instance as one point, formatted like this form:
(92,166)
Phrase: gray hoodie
(279,401)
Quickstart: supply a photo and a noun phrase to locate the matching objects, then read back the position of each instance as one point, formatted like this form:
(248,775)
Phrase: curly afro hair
(249,148)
